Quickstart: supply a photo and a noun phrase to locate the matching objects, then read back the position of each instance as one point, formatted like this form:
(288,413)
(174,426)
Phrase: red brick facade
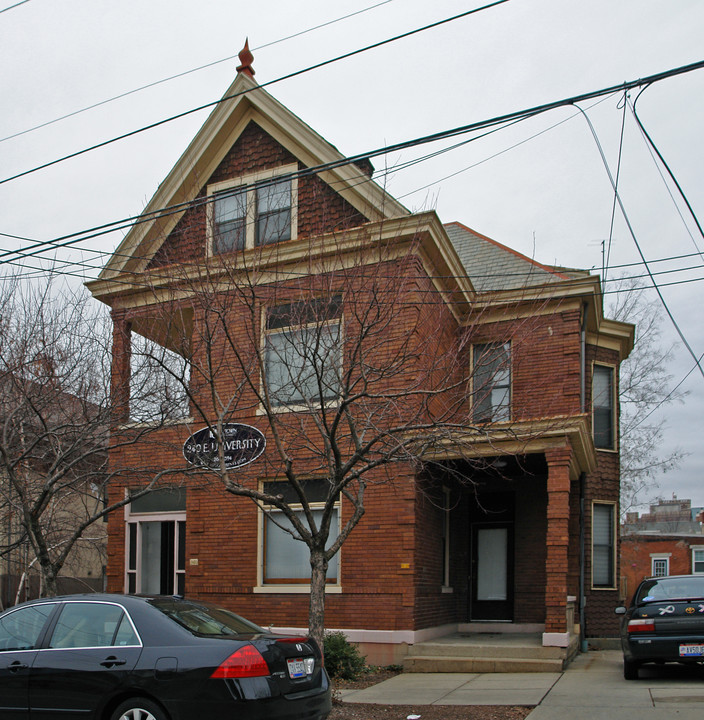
(400,571)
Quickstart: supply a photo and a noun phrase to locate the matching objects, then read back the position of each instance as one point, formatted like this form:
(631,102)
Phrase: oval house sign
(242,445)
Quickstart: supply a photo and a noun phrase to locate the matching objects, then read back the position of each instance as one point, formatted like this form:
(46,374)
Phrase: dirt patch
(364,711)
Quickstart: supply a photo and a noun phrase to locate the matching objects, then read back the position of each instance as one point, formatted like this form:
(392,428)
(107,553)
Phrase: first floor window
(491,380)
(287,557)
(603,545)
(698,560)
(156,543)
(660,566)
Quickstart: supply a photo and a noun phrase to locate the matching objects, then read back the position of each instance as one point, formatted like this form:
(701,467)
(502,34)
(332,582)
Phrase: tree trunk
(316,608)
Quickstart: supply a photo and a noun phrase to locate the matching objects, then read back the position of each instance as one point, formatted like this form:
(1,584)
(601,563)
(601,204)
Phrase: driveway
(592,688)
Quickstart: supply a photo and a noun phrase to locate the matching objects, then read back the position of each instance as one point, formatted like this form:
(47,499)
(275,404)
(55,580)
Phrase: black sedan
(664,623)
(115,657)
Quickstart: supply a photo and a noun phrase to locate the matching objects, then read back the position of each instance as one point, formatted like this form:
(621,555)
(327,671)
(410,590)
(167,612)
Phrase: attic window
(253,210)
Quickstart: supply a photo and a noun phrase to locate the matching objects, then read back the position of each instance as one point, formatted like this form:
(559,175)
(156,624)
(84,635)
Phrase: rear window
(204,619)
(671,588)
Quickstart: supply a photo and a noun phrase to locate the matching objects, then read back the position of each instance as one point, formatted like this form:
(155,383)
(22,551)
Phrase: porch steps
(485,653)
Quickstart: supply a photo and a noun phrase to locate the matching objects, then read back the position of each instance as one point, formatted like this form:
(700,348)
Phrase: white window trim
(250,181)
(333,402)
(659,556)
(294,588)
(614,403)
(694,548)
(614,550)
(137,519)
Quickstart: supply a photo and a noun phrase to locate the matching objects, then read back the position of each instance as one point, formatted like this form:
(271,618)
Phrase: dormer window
(252,210)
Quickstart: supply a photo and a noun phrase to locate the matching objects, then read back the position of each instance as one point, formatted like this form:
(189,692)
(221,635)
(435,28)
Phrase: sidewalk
(592,687)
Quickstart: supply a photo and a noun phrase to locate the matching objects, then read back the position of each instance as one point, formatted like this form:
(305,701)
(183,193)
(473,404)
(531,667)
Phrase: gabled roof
(244,102)
(492,266)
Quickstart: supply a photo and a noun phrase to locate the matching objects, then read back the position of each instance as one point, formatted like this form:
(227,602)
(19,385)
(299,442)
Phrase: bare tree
(55,429)
(353,364)
(645,387)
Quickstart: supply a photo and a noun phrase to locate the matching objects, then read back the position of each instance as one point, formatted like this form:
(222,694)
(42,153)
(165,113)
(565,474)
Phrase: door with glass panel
(492,572)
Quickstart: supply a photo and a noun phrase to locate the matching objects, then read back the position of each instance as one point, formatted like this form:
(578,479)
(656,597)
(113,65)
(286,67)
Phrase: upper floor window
(257,209)
(491,396)
(603,407)
(303,352)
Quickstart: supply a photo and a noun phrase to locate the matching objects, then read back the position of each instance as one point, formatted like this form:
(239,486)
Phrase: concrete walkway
(592,687)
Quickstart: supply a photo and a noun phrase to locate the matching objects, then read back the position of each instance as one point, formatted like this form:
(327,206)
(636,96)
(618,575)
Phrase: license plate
(296,668)
(691,650)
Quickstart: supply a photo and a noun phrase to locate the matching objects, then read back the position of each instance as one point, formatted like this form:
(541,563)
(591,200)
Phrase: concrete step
(437,664)
(478,649)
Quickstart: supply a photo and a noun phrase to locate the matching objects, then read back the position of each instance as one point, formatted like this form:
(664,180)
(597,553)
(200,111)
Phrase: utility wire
(189,72)
(214,103)
(12,7)
(663,161)
(638,247)
(453,132)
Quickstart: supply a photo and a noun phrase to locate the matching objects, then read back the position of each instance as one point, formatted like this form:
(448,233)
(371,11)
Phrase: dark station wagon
(664,623)
(115,657)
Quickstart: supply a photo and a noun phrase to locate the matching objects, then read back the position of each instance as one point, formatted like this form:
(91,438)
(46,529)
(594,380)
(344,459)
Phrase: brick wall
(320,209)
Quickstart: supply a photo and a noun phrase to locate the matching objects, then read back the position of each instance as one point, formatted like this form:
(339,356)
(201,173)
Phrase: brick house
(667,540)
(495,524)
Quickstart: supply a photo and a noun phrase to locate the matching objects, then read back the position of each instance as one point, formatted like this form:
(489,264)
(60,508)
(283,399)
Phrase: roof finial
(246,58)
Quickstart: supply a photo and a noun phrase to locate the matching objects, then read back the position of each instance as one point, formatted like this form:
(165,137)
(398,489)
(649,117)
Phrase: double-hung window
(303,352)
(286,558)
(603,417)
(256,209)
(229,221)
(659,565)
(491,380)
(603,545)
(698,560)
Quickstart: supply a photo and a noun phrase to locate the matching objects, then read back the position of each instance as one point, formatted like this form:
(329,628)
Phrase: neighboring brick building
(486,529)
(667,540)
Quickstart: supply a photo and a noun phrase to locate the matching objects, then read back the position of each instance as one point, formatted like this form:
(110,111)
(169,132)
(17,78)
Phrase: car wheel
(630,669)
(138,709)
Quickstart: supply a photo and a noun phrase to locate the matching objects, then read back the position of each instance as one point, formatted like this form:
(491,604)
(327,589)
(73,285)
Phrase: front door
(492,572)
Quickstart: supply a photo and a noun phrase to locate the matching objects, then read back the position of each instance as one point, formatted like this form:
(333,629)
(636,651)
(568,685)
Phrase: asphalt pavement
(591,688)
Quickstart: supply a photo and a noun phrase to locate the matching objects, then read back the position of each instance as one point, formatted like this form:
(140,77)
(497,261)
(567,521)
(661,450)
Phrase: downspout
(583,645)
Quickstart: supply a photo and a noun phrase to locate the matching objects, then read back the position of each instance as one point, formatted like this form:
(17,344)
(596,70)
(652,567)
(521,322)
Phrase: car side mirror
(620,610)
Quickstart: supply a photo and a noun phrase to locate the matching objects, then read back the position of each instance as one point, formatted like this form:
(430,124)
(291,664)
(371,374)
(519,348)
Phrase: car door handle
(17,665)
(112,661)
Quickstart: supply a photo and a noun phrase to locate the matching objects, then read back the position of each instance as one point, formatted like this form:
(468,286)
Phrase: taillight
(638,626)
(243,663)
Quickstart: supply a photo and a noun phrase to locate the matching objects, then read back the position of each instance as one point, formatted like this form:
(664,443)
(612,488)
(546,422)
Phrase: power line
(189,72)
(74,238)
(638,247)
(214,103)
(12,7)
(665,165)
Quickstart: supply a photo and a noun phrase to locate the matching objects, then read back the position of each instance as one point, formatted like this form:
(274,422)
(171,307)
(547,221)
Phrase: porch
(489,649)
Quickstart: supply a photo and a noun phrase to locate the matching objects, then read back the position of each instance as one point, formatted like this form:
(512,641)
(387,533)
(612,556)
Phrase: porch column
(557,557)
(120,368)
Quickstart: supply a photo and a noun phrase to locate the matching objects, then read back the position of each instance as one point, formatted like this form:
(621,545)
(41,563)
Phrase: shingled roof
(492,266)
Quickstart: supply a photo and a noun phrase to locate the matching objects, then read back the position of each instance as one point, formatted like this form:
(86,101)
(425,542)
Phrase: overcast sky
(539,187)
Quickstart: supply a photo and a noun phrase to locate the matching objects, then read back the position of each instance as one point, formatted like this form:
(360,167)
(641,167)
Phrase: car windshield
(204,619)
(671,588)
